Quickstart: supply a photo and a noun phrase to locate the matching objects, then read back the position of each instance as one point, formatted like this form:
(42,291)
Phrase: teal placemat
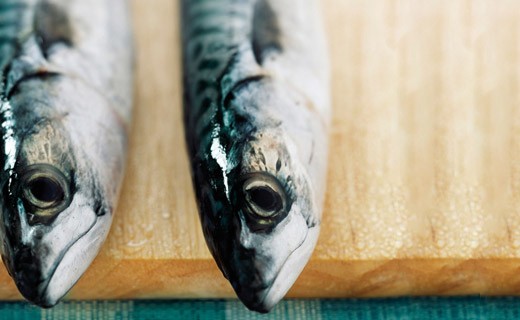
(470,308)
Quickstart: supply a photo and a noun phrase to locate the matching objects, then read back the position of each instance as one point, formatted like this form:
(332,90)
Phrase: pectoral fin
(266,32)
(51,26)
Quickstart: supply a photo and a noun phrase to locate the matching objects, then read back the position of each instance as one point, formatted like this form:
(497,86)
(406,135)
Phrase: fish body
(257,115)
(66,91)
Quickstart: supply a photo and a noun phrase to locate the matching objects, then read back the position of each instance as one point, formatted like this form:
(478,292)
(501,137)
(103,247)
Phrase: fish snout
(251,275)
(28,276)
(254,298)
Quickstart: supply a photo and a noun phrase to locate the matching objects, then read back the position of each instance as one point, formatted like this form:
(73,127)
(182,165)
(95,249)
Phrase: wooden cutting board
(424,183)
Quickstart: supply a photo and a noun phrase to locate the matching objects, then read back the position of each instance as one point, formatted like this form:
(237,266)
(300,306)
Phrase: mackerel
(257,116)
(66,91)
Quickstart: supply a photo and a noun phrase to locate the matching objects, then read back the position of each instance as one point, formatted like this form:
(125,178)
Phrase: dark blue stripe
(187,309)
(9,23)
(467,308)
(8,40)
(205,13)
(206,31)
(7,6)
(19,311)
(208,64)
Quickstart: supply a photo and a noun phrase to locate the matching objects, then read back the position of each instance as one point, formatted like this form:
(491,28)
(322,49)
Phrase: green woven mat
(471,308)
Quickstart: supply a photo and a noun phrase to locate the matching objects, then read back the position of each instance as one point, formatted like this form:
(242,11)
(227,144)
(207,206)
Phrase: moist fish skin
(66,81)
(257,116)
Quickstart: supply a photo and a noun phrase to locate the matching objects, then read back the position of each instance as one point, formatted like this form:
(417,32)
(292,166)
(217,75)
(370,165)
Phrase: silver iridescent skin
(257,118)
(65,89)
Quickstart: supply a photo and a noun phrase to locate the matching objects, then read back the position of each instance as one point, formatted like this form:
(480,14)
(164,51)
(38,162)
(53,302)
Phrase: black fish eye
(263,196)
(44,189)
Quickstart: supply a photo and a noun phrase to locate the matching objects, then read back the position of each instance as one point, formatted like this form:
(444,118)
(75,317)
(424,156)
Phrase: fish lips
(29,278)
(43,274)
(40,287)
(261,292)
(45,289)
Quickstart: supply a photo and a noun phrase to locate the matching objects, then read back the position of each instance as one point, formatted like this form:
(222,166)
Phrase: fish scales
(256,107)
(66,90)
(212,45)
(14,23)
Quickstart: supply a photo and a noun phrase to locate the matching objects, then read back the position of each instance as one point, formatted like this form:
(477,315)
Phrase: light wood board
(424,183)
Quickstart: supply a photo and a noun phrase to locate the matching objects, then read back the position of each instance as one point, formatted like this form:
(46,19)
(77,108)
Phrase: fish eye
(265,199)
(45,190)
(264,196)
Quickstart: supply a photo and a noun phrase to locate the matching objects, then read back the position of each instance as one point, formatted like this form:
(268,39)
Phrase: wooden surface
(424,183)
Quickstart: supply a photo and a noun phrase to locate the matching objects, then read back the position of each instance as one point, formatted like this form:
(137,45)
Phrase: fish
(257,119)
(66,83)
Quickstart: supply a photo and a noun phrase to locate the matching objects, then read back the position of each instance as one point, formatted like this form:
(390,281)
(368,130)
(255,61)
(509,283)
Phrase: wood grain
(424,182)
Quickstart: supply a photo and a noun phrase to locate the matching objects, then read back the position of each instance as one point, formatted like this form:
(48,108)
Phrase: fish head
(276,228)
(268,232)
(52,209)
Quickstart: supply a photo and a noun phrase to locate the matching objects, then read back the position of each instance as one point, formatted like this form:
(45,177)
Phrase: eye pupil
(265,198)
(46,190)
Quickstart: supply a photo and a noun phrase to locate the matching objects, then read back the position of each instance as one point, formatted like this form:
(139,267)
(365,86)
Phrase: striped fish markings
(65,89)
(256,119)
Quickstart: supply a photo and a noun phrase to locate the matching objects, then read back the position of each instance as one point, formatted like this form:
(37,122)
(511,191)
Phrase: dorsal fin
(51,26)
(266,35)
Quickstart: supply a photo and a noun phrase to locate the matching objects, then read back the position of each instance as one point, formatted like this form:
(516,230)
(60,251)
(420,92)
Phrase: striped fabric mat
(470,308)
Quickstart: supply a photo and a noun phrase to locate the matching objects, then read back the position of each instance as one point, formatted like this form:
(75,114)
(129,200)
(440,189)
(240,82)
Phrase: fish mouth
(37,287)
(263,298)
(253,297)
(29,279)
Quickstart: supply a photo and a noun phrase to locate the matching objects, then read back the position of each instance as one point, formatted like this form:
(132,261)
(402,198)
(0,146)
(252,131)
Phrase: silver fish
(257,116)
(66,90)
